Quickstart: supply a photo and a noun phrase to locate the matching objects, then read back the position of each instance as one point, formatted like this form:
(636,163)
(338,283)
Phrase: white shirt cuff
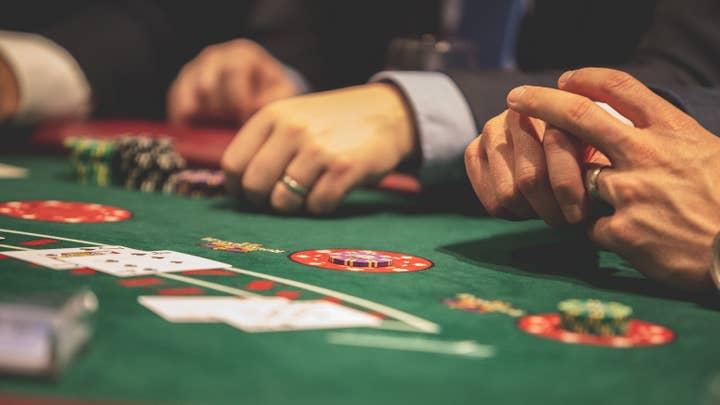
(296,77)
(52,85)
(443,119)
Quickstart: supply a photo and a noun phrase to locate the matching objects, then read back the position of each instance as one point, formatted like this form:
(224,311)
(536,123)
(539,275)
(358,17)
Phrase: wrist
(403,120)
(9,92)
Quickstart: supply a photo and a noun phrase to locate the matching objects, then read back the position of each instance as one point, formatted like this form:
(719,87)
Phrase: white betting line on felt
(467,348)
(15,247)
(40,235)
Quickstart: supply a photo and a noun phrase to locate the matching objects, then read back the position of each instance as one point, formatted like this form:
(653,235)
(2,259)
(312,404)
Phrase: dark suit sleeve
(680,46)
(701,103)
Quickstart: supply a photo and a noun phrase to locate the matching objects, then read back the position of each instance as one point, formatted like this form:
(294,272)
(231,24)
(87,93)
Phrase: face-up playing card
(58,258)
(189,309)
(299,315)
(128,264)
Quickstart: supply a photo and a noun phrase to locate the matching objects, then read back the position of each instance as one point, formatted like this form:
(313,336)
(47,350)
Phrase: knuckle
(578,111)
(315,149)
(208,52)
(566,189)
(281,202)
(251,185)
(244,43)
(554,140)
(320,205)
(490,127)
(492,208)
(625,192)
(341,165)
(230,164)
(295,128)
(506,195)
(472,152)
(530,179)
(617,80)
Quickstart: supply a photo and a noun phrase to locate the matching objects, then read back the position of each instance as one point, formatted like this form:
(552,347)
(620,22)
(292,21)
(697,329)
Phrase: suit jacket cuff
(443,120)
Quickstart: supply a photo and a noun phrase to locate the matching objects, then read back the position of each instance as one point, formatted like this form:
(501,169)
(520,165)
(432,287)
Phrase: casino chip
(594,317)
(91,159)
(63,211)
(360,260)
(196,183)
(363,258)
(639,333)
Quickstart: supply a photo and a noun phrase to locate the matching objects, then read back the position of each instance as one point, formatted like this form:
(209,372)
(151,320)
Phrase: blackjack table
(465,306)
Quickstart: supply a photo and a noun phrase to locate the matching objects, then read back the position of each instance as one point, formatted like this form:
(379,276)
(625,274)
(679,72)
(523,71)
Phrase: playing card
(58,258)
(189,309)
(252,314)
(300,315)
(12,172)
(128,264)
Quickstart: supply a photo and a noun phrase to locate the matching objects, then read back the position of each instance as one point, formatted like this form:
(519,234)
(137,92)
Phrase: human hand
(520,168)
(9,92)
(328,142)
(663,180)
(227,83)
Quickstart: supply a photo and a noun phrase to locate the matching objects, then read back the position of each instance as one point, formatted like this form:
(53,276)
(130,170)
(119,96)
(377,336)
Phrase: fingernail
(572,213)
(565,77)
(515,94)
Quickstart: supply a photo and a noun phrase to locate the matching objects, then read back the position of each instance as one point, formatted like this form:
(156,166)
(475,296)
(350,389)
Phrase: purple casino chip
(360,258)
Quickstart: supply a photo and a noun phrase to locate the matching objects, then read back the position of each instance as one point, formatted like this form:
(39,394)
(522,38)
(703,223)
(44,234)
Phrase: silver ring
(294,186)
(591,181)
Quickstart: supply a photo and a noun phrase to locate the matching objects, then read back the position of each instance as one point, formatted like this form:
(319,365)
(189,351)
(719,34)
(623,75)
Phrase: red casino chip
(327,259)
(63,211)
(639,334)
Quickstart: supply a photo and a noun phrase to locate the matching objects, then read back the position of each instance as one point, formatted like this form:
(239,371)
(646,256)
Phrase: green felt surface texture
(138,357)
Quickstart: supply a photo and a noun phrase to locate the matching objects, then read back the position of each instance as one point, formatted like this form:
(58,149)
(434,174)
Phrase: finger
(477,171)
(182,102)
(340,177)
(497,143)
(237,93)
(580,117)
(562,154)
(603,233)
(622,91)
(246,143)
(531,170)
(268,165)
(605,184)
(208,89)
(305,168)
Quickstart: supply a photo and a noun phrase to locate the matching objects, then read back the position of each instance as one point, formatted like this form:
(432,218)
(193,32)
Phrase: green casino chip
(594,317)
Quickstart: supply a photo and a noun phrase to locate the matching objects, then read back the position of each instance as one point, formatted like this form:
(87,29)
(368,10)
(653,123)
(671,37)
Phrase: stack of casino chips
(594,317)
(197,183)
(145,163)
(91,159)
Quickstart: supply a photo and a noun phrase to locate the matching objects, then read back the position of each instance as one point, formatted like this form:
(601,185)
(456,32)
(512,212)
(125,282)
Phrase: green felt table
(137,357)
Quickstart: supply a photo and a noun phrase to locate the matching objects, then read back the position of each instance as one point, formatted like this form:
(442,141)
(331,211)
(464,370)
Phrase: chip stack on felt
(594,317)
(146,163)
(197,183)
(91,160)
(142,163)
